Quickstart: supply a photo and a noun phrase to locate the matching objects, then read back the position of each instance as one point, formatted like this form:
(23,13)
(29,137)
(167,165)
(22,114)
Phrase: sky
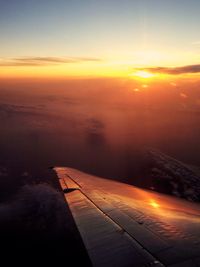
(97,38)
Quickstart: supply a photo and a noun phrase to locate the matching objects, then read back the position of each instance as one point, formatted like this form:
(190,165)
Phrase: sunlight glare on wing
(154,204)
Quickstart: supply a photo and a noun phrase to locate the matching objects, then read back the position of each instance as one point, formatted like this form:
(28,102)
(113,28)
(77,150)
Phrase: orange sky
(98,38)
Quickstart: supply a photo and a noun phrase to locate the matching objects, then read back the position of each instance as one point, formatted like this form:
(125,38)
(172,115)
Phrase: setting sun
(143,74)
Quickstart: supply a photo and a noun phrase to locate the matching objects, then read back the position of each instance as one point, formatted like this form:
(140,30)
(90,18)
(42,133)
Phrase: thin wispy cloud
(189,69)
(44,61)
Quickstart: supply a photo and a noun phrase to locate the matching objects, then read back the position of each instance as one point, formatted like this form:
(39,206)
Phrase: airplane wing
(122,225)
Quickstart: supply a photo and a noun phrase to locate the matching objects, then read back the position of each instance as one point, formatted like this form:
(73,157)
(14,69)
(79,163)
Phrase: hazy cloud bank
(35,208)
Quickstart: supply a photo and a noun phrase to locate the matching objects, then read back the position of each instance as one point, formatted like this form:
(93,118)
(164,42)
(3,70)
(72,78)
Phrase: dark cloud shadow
(95,132)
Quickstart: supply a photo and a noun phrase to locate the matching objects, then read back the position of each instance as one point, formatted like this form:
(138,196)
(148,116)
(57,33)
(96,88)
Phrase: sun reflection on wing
(154,204)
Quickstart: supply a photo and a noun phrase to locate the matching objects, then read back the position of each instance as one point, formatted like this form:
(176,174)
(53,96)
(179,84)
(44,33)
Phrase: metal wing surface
(122,225)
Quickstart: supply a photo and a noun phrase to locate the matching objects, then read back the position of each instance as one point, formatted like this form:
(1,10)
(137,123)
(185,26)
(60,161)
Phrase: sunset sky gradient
(79,38)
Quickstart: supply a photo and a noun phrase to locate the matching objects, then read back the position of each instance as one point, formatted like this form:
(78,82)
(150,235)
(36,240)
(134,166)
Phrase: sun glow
(143,74)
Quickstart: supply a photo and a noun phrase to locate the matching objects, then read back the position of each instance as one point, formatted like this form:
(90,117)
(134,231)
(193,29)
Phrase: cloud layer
(44,61)
(174,70)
